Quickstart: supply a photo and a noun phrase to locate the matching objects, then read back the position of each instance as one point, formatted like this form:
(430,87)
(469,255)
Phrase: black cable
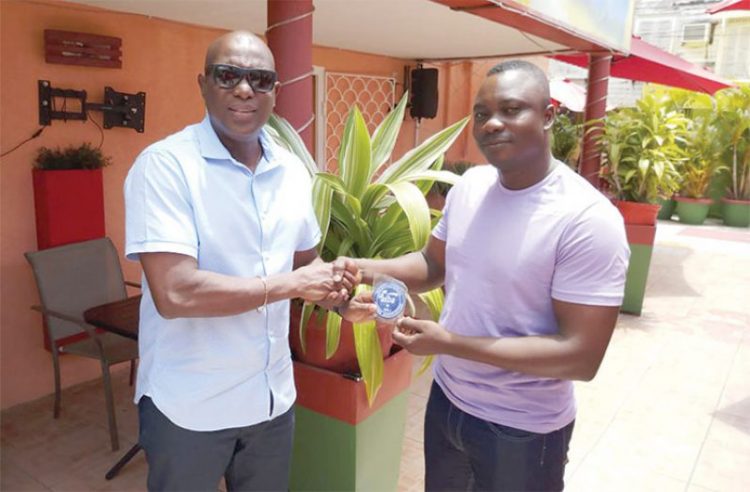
(32,137)
(101,131)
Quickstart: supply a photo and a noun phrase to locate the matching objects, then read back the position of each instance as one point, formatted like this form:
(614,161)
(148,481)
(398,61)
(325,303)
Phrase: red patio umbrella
(568,94)
(647,63)
(729,5)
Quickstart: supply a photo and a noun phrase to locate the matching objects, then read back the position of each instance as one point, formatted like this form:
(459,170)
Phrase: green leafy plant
(83,156)
(370,209)
(703,151)
(567,136)
(733,123)
(644,149)
(702,142)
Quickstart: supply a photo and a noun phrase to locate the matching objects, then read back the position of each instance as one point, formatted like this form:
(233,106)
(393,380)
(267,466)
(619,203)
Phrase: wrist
(367,273)
(281,287)
(448,344)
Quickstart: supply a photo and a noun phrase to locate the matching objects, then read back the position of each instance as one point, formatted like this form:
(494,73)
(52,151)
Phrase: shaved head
(237,41)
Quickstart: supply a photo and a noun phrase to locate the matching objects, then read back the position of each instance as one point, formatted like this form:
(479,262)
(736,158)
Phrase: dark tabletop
(119,317)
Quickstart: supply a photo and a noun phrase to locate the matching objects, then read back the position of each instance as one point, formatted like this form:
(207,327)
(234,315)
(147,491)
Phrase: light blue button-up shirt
(187,195)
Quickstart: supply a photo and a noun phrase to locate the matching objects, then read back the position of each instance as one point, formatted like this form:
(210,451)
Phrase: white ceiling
(411,29)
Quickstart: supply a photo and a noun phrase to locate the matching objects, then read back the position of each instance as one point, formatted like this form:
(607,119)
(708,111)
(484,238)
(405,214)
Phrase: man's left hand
(421,337)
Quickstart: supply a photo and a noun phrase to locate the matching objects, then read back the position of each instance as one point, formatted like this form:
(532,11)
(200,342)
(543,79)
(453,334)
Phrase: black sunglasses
(228,76)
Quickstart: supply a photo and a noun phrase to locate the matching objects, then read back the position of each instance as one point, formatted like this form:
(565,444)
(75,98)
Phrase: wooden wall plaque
(75,48)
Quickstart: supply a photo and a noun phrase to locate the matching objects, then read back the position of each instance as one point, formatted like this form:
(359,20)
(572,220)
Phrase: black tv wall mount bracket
(118,109)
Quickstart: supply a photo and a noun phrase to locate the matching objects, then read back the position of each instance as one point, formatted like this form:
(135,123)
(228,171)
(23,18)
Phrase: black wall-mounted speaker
(424,93)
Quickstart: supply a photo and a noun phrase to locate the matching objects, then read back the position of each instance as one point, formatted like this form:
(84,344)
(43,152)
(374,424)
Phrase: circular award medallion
(390,300)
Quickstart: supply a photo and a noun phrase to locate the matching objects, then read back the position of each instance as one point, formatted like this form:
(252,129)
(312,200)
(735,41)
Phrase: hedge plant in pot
(643,150)
(697,106)
(643,156)
(702,150)
(68,194)
(366,208)
(733,120)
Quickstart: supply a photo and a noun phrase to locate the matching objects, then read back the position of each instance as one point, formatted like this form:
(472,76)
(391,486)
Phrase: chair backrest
(75,277)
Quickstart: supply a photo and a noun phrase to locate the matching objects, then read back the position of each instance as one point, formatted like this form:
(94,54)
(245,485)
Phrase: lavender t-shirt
(508,254)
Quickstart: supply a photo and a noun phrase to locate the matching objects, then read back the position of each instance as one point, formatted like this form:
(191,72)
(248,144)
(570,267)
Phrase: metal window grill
(374,95)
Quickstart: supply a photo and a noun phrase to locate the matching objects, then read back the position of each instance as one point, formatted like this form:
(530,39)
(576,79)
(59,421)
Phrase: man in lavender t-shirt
(533,259)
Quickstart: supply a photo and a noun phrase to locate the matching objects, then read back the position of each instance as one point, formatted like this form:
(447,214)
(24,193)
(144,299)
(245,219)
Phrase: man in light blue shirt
(222,222)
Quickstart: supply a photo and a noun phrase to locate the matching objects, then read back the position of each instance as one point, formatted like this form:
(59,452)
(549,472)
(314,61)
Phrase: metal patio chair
(71,279)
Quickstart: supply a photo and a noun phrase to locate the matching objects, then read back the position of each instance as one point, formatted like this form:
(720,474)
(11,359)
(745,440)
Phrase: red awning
(647,63)
(729,5)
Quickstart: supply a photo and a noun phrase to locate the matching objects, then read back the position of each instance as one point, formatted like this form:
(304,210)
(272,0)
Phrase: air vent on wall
(696,34)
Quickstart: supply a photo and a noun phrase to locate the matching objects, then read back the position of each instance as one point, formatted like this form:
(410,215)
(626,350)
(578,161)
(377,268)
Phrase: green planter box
(341,443)
(641,241)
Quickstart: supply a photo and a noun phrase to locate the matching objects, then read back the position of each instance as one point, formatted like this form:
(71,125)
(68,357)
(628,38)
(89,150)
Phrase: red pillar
(289,36)
(596,106)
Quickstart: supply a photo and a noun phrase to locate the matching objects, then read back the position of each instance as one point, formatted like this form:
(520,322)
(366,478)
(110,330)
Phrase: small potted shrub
(733,119)
(643,156)
(643,153)
(702,163)
(68,194)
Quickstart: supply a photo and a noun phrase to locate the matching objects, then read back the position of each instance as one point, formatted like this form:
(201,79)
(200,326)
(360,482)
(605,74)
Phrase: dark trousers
(256,457)
(463,452)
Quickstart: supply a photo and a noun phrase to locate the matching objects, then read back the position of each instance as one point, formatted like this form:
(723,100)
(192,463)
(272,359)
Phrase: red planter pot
(345,359)
(637,213)
(69,206)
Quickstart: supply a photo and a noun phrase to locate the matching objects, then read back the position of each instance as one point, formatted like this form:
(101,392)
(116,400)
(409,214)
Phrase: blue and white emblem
(390,300)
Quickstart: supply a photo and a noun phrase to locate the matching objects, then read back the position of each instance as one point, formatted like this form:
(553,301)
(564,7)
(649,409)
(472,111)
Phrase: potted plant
(733,119)
(68,199)
(68,194)
(643,156)
(365,208)
(643,149)
(702,163)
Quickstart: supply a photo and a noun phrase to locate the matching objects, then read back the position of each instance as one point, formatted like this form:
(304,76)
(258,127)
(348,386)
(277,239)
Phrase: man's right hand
(329,282)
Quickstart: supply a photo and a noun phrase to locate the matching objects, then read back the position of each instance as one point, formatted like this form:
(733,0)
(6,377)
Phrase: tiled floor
(669,410)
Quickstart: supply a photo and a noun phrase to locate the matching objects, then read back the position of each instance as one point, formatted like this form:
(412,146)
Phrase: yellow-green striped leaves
(355,154)
(434,300)
(417,212)
(385,136)
(333,333)
(285,135)
(421,158)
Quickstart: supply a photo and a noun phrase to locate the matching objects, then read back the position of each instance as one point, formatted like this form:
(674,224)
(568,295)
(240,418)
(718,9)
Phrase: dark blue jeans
(256,457)
(463,452)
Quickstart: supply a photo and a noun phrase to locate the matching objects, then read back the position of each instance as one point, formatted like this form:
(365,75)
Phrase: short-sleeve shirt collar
(212,149)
